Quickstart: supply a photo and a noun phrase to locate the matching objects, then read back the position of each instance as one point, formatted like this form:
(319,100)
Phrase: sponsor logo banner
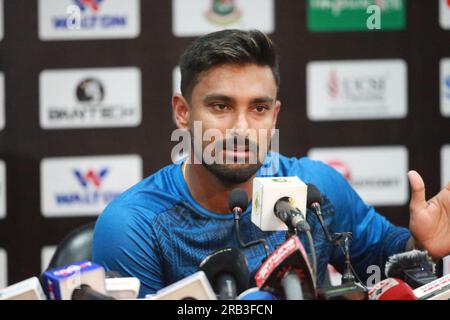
(2,101)
(3,269)
(198,17)
(356,89)
(378,174)
(1,19)
(2,189)
(88,19)
(176,80)
(83,186)
(445,87)
(90,98)
(445,165)
(444,14)
(353,15)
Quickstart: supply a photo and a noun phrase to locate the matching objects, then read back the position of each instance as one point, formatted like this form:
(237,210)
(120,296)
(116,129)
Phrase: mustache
(234,143)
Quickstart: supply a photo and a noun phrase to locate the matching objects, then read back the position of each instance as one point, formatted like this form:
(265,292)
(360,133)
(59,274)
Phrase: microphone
(121,288)
(287,272)
(227,271)
(85,292)
(438,289)
(285,211)
(269,199)
(193,287)
(414,267)
(29,289)
(238,202)
(391,289)
(83,280)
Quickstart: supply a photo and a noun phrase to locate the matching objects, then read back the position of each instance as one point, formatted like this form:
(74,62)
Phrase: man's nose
(241,125)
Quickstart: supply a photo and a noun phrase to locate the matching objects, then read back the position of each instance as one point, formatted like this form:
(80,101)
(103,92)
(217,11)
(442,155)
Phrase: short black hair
(226,46)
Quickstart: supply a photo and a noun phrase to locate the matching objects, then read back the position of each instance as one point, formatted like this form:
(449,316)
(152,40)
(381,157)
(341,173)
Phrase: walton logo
(92,4)
(90,177)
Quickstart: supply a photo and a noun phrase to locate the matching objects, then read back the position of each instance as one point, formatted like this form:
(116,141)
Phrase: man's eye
(220,106)
(261,108)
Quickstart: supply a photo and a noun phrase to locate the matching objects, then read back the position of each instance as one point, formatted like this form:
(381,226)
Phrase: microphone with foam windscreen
(227,271)
(414,267)
(391,289)
(314,201)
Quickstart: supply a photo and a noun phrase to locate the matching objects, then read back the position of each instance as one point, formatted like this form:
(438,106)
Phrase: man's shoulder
(322,175)
(304,166)
(149,197)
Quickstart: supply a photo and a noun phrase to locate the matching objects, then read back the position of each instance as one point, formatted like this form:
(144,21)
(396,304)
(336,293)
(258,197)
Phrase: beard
(233,172)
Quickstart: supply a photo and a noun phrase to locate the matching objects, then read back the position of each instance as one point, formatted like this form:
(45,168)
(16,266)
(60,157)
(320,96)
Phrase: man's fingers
(417,191)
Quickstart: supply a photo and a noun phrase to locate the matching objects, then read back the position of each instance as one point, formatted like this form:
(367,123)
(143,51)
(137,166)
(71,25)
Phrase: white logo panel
(90,98)
(378,174)
(83,186)
(2,189)
(2,101)
(358,89)
(445,165)
(3,269)
(444,14)
(1,20)
(198,17)
(96,19)
(445,87)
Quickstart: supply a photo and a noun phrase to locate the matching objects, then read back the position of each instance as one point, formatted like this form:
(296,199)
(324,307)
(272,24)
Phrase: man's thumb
(417,191)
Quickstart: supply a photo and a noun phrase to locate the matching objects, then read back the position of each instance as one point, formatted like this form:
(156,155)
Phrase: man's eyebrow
(217,97)
(221,97)
(263,100)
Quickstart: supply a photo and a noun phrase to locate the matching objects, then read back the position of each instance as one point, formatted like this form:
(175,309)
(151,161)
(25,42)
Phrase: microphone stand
(237,217)
(349,289)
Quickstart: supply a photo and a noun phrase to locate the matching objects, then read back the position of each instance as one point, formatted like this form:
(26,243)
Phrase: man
(162,228)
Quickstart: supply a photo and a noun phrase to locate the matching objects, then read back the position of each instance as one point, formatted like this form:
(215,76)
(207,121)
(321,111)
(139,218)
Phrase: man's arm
(125,242)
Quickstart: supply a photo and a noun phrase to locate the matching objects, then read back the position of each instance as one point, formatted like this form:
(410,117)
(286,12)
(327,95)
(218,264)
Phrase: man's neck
(211,193)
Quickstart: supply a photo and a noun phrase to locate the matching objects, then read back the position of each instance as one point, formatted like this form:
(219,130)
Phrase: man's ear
(275,114)
(180,111)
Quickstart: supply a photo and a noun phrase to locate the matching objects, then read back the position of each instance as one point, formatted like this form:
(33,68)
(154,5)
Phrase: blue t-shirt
(157,232)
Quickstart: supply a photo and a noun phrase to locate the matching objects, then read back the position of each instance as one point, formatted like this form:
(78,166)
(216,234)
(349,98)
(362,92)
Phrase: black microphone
(314,200)
(238,203)
(290,215)
(414,267)
(85,292)
(238,200)
(227,271)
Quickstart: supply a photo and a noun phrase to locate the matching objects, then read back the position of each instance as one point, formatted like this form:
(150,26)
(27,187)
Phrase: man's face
(239,102)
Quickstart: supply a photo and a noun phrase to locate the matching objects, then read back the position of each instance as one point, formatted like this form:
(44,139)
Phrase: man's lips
(237,152)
